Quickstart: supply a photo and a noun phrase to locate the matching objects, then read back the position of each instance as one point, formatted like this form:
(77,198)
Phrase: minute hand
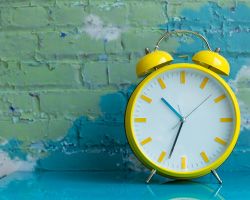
(176,138)
(199,105)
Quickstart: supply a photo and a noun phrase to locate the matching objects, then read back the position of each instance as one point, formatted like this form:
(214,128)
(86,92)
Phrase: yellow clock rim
(136,147)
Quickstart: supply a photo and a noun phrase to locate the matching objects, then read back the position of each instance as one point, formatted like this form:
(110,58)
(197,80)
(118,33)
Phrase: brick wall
(67,68)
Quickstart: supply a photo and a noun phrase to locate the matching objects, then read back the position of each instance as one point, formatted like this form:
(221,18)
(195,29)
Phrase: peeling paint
(68,69)
(62,34)
(109,5)
(97,29)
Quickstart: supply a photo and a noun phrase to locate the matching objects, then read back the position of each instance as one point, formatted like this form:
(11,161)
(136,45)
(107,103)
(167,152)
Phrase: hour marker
(226,119)
(162,156)
(219,98)
(220,141)
(145,141)
(183,162)
(145,98)
(161,83)
(183,77)
(140,119)
(204,83)
(204,156)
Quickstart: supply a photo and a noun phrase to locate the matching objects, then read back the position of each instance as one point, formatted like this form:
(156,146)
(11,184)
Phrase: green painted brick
(122,72)
(31,131)
(71,3)
(147,13)
(16,99)
(68,15)
(73,44)
(56,74)
(33,75)
(111,12)
(27,3)
(14,3)
(95,73)
(58,128)
(137,40)
(28,132)
(29,17)
(114,46)
(44,3)
(17,45)
(68,102)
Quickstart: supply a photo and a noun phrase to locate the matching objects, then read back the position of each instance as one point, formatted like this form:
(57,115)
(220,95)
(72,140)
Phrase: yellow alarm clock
(182,120)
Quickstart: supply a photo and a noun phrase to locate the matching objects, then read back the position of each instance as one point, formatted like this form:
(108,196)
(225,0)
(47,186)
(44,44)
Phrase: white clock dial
(208,119)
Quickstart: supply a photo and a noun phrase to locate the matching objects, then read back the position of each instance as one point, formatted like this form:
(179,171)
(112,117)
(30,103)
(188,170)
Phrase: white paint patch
(239,84)
(242,76)
(8,165)
(95,28)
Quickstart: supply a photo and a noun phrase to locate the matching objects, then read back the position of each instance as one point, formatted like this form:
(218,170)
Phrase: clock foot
(151,175)
(216,176)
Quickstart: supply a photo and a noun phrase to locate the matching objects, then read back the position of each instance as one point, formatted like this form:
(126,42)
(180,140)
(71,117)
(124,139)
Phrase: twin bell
(206,58)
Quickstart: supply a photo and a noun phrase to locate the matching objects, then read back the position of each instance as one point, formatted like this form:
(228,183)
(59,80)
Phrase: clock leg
(216,176)
(151,175)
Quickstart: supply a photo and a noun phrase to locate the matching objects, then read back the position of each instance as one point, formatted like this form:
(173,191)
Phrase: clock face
(183,120)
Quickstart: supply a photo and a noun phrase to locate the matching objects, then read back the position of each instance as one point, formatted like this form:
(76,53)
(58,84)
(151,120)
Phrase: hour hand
(172,108)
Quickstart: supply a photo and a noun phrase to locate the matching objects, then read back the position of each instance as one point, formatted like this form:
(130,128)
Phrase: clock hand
(175,125)
(179,109)
(178,121)
(175,140)
(190,112)
(171,108)
(198,105)
(182,120)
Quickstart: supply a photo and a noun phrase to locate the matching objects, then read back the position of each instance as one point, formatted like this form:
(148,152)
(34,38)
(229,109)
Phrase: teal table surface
(120,185)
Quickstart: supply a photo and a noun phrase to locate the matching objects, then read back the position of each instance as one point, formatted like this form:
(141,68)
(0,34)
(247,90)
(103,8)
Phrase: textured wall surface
(67,68)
